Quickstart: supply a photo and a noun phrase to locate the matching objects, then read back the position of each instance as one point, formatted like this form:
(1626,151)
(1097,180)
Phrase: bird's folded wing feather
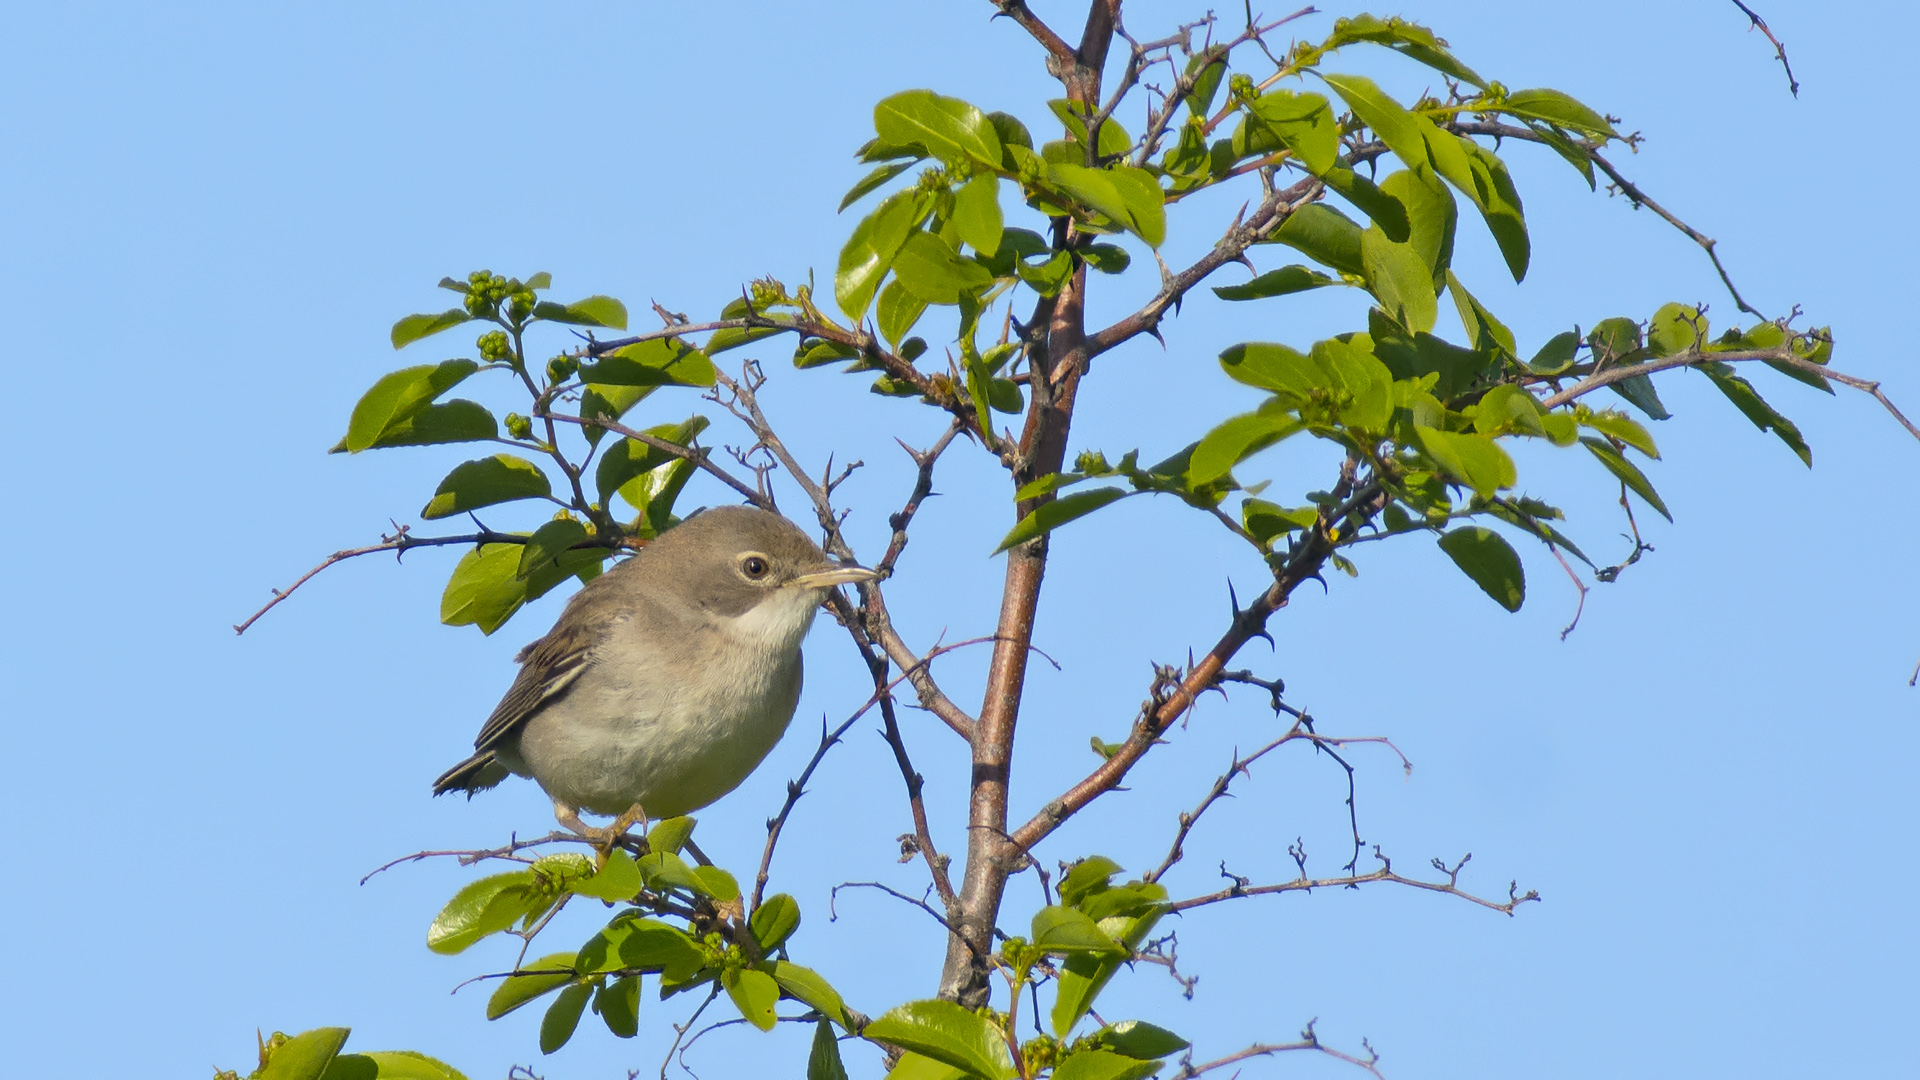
(547,668)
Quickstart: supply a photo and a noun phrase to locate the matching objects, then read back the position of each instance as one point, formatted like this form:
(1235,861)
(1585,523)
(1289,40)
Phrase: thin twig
(1386,873)
(1308,1041)
(1779,50)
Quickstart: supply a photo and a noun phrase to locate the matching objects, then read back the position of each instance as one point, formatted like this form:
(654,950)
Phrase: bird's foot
(606,839)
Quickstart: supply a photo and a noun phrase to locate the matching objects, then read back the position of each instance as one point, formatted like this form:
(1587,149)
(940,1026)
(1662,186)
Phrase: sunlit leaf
(948,1033)
(486,482)
(1052,515)
(1486,557)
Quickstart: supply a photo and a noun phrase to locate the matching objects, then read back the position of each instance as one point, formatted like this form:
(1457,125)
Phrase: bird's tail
(477,773)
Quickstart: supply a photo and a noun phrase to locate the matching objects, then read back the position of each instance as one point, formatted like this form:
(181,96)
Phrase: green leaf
(1620,426)
(1052,515)
(870,250)
(1138,1039)
(1487,558)
(1324,235)
(775,921)
(1556,355)
(806,986)
(1488,333)
(632,943)
(948,128)
(754,993)
(659,362)
(1279,368)
(1091,875)
(481,907)
(1402,282)
(671,834)
(1103,1065)
(1281,282)
(914,1067)
(1638,389)
(1206,68)
(455,421)
(1755,408)
(1399,129)
(927,267)
(618,1004)
(305,1056)
(404,1065)
(717,883)
(516,990)
(665,869)
(562,1017)
(823,1061)
(486,482)
(1382,208)
(602,402)
(1129,196)
(976,213)
(548,543)
(1303,123)
(1629,474)
(948,1033)
(1499,204)
(1408,39)
(1064,930)
(593,311)
(414,327)
(1106,258)
(1473,460)
(1238,439)
(1265,520)
(485,588)
(398,397)
(1676,328)
(1432,220)
(1555,107)
(873,180)
(899,310)
(617,881)
(628,459)
(1084,976)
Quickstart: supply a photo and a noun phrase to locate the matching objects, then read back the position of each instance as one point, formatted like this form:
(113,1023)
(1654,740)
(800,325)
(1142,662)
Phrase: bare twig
(1779,50)
(700,456)
(1308,1041)
(1240,888)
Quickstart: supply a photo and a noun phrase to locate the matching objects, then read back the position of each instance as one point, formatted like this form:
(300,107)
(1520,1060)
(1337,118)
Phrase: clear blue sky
(211,214)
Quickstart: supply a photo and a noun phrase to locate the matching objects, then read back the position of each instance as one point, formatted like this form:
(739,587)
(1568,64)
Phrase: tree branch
(1386,873)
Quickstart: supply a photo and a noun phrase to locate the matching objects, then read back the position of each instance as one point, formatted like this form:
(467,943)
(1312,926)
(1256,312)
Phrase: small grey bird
(667,679)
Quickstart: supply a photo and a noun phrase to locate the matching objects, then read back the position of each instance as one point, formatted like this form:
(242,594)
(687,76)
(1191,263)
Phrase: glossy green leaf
(897,312)
(402,1065)
(948,128)
(1629,474)
(632,943)
(1206,68)
(754,993)
(485,588)
(976,213)
(1473,460)
(1091,875)
(1324,235)
(549,542)
(618,1004)
(774,921)
(516,990)
(1557,108)
(1622,427)
(1279,368)
(1236,440)
(618,880)
(914,1067)
(1676,328)
(602,402)
(398,396)
(1486,557)
(1639,390)
(1138,1039)
(1129,196)
(486,481)
(1499,204)
(414,327)
(593,311)
(659,362)
(873,180)
(1265,520)
(1281,282)
(1487,332)
(304,1056)
(823,1060)
(1432,220)
(1507,410)
(1106,258)
(717,884)
(1052,515)
(1302,122)
(928,268)
(869,252)
(1399,129)
(1067,930)
(1755,408)
(627,459)
(670,834)
(1406,38)
(1103,1065)
(455,421)
(1083,976)
(806,986)
(481,907)
(1380,207)
(663,870)
(563,1016)
(948,1033)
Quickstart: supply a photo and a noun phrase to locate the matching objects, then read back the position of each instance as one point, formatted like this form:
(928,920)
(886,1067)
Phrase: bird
(667,679)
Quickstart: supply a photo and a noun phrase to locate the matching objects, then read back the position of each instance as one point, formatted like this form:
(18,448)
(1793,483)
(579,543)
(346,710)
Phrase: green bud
(494,345)
(561,368)
(519,426)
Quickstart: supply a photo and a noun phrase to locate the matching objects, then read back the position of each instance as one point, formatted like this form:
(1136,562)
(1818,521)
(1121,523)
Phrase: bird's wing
(547,668)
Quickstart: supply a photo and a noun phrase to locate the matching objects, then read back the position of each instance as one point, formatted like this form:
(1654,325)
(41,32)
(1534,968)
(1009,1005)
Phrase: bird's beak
(830,574)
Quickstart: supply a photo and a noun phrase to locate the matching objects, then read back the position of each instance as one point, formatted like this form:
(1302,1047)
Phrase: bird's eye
(754,566)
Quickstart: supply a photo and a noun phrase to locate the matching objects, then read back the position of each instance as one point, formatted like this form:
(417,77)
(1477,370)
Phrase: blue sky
(212,214)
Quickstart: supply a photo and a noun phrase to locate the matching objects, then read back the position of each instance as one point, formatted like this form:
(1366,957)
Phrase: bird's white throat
(778,624)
